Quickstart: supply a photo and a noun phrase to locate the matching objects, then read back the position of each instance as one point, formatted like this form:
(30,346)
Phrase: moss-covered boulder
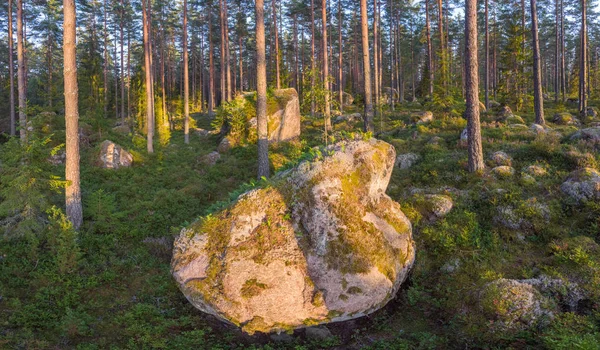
(564,118)
(583,185)
(322,243)
(113,156)
(283,116)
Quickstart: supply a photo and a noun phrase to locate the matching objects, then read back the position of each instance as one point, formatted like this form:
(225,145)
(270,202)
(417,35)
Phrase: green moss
(252,288)
(354,290)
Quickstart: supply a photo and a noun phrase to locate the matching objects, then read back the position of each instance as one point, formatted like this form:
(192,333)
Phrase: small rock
(423,117)
(564,119)
(225,145)
(407,160)
(518,126)
(505,113)
(451,266)
(201,132)
(515,119)
(501,158)
(535,171)
(210,159)
(318,333)
(503,171)
(113,156)
(348,118)
(537,128)
(589,134)
(583,185)
(438,206)
(592,112)
(494,104)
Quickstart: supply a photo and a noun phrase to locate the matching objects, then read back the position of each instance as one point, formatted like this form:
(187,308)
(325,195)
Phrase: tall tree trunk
(227,53)
(261,92)
(487,57)
(313,68)
(325,68)
(148,77)
(11,70)
(443,63)
(241,65)
(538,99)
(21,81)
(556,52)
(73,188)
(340,59)
(563,71)
(429,48)
(122,64)
(364,24)
(223,73)
(276,32)
(105,10)
(376,76)
(296,55)
(211,65)
(583,61)
(472,88)
(186,78)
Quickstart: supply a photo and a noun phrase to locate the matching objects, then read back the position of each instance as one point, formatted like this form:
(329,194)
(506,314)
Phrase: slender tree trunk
(186,78)
(429,48)
(241,65)
(563,70)
(487,57)
(222,68)
(122,64)
(556,53)
(73,188)
(105,10)
(148,77)
(11,70)
(296,55)
(261,92)
(227,53)
(211,65)
(276,32)
(340,59)
(443,63)
(364,24)
(21,81)
(326,68)
(376,76)
(583,61)
(538,98)
(313,67)
(472,88)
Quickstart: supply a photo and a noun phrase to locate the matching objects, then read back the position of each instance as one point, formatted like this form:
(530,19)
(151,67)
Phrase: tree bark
(105,67)
(122,37)
(583,61)
(429,48)
(186,78)
(538,99)
(11,71)
(73,189)
(472,88)
(148,77)
(368,113)
(376,55)
(211,64)
(313,67)
(21,81)
(326,68)
(340,59)
(556,53)
(276,32)
(261,92)
(487,57)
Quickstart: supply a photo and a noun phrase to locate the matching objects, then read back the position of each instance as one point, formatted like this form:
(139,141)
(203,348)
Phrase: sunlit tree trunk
(538,98)
(472,88)
(261,92)
(340,58)
(211,64)
(376,54)
(148,77)
(186,78)
(21,81)
(487,57)
(583,61)
(105,33)
(429,48)
(276,32)
(326,68)
(313,67)
(368,113)
(72,190)
(11,70)
(122,37)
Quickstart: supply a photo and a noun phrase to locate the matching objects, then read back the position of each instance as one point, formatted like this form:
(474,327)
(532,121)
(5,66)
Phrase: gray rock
(535,171)
(318,333)
(323,243)
(407,160)
(501,158)
(583,185)
(505,113)
(564,118)
(423,117)
(537,129)
(113,156)
(210,159)
(438,206)
(589,134)
(503,171)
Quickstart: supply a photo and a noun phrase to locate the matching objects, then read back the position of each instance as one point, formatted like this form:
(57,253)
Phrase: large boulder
(113,156)
(505,113)
(322,243)
(589,134)
(564,118)
(284,119)
(423,117)
(347,99)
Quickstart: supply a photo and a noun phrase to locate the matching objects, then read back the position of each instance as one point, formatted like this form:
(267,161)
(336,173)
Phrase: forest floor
(111,287)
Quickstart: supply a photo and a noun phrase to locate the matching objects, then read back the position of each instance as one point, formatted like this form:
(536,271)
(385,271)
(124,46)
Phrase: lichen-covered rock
(515,119)
(589,134)
(347,99)
(407,160)
(536,213)
(437,206)
(535,171)
(322,243)
(210,159)
(503,171)
(226,144)
(501,158)
(464,136)
(505,113)
(583,185)
(538,129)
(423,117)
(113,156)
(512,305)
(564,118)
(518,126)
(284,119)
(349,118)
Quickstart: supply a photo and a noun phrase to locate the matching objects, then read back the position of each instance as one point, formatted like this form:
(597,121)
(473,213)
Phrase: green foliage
(62,238)
(234,116)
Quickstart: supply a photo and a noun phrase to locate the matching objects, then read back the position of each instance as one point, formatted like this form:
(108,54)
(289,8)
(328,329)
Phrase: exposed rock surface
(349,117)
(503,171)
(583,185)
(538,129)
(512,305)
(322,243)
(423,117)
(407,160)
(564,119)
(347,99)
(589,134)
(210,159)
(284,117)
(113,156)
(505,113)
(515,119)
(437,206)
(501,158)
(535,171)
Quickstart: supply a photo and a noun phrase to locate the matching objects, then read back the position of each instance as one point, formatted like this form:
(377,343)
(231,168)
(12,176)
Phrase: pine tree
(261,92)
(472,88)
